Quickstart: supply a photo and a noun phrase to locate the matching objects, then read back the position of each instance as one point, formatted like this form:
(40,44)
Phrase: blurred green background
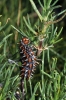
(12,11)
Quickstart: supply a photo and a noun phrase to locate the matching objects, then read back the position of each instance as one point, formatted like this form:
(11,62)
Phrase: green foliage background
(48,83)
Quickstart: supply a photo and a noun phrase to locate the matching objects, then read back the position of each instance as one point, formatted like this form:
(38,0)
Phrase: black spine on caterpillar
(28,60)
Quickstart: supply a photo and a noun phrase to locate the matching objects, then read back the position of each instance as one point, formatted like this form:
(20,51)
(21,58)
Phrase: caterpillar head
(25,40)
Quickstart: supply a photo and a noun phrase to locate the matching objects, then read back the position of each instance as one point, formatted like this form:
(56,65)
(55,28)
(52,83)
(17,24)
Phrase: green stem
(30,86)
(42,74)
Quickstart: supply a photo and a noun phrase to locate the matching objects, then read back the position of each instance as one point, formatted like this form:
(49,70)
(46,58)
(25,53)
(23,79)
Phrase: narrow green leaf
(43,57)
(45,3)
(30,86)
(41,4)
(55,7)
(15,78)
(35,89)
(46,74)
(54,2)
(2,27)
(60,56)
(63,12)
(36,10)
(4,39)
(59,32)
(48,3)
(56,41)
(31,29)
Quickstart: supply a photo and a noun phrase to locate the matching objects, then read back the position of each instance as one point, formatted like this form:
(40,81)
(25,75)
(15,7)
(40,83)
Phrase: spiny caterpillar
(27,58)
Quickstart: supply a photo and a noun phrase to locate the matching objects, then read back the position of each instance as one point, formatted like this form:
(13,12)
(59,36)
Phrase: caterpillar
(27,58)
